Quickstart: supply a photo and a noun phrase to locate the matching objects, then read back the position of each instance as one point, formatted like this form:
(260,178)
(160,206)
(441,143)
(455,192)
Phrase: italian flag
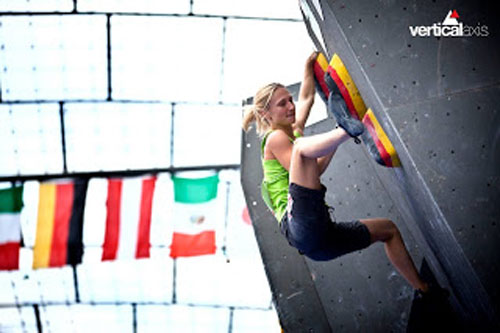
(195,214)
(128,218)
(11,202)
(59,229)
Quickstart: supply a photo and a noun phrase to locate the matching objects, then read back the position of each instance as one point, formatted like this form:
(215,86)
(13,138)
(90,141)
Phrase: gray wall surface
(437,99)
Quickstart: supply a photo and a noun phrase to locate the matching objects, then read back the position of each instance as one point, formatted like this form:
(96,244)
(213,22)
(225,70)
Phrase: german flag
(378,144)
(59,229)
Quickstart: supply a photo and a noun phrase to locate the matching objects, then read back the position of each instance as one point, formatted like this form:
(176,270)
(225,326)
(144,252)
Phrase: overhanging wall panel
(459,158)
(405,69)
(412,82)
(361,291)
(437,100)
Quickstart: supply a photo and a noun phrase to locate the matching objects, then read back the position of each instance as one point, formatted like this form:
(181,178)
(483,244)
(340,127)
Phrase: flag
(128,218)
(11,202)
(195,214)
(59,229)
(245,216)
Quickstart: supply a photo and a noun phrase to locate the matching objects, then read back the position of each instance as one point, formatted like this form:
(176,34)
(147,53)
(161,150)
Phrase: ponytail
(248,116)
(253,112)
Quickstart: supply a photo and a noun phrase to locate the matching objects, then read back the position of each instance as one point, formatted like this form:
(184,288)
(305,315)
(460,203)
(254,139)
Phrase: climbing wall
(437,100)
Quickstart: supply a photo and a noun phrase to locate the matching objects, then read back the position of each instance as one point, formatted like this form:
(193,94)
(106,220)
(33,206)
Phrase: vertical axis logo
(450,27)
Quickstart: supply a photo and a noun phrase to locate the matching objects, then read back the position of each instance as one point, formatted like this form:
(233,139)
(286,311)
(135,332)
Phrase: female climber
(292,166)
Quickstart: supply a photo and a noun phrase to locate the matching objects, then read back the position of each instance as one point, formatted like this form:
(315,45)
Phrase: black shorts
(308,227)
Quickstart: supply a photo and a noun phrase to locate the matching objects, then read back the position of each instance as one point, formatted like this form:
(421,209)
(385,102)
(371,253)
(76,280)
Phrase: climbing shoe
(432,312)
(336,106)
(434,295)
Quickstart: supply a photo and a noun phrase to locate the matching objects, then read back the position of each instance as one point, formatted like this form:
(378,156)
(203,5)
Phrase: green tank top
(275,182)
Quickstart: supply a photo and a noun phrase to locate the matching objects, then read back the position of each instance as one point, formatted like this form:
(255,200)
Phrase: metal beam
(116,173)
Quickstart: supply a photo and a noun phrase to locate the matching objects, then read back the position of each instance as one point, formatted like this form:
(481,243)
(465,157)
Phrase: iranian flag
(128,218)
(11,202)
(195,214)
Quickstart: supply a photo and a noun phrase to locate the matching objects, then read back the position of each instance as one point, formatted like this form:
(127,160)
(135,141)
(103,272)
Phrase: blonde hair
(253,112)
